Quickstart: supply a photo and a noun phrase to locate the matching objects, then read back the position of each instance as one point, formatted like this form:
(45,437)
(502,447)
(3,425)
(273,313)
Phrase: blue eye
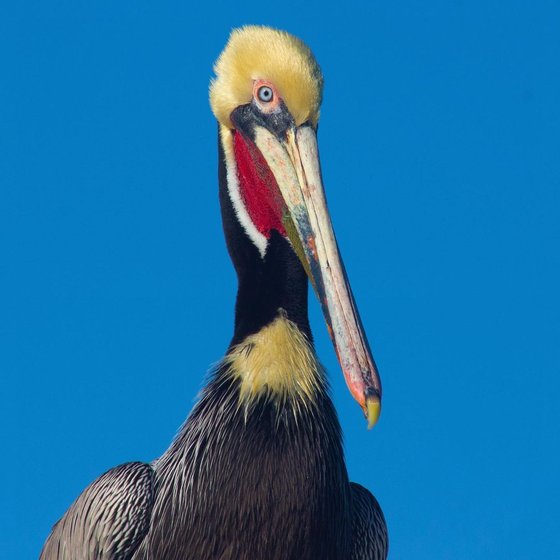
(265,94)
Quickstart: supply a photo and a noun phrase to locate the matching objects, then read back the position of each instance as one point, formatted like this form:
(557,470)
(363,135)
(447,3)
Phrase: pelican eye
(265,94)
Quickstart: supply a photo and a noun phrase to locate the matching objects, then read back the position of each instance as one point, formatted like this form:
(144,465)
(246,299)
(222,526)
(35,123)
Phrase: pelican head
(266,96)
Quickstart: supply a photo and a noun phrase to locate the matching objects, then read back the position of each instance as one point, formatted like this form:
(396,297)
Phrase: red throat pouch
(258,186)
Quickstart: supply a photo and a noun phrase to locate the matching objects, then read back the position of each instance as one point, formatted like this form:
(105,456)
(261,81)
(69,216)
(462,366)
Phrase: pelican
(257,471)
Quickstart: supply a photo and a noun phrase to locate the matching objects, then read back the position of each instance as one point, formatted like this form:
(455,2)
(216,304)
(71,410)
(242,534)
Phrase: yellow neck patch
(278,362)
(262,53)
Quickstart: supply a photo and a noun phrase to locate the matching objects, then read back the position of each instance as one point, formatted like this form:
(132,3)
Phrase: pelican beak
(293,159)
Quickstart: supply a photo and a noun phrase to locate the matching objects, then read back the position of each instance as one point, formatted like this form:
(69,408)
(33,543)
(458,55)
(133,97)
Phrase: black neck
(266,284)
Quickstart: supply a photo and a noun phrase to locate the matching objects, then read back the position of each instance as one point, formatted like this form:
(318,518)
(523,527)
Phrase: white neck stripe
(258,239)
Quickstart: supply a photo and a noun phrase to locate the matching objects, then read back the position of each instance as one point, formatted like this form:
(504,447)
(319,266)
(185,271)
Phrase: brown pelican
(257,470)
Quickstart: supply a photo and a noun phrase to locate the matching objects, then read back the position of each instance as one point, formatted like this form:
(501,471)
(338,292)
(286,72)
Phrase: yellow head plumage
(262,53)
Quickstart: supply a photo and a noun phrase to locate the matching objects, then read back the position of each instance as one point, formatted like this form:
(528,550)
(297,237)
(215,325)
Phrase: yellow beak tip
(372,410)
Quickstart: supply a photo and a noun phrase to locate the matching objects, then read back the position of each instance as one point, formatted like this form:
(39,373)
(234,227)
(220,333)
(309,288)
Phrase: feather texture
(108,520)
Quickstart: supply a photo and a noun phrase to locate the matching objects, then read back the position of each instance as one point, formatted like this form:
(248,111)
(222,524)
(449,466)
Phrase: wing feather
(108,520)
(369,530)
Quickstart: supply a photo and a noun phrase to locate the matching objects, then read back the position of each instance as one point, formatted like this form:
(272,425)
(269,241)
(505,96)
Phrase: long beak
(295,165)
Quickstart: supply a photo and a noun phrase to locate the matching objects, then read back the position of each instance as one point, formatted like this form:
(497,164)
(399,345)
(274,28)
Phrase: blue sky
(439,140)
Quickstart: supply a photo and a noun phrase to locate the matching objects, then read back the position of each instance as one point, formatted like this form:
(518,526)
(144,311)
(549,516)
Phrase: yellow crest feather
(257,52)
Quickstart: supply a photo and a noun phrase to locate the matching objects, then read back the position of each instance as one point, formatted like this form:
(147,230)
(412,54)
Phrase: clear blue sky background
(440,143)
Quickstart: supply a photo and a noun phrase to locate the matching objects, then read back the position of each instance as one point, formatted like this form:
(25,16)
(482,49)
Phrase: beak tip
(372,410)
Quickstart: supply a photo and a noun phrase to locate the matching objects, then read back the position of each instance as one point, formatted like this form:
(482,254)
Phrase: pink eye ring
(266,96)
